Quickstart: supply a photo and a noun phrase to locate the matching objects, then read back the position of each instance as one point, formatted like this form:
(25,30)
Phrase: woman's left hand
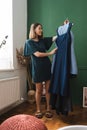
(54,38)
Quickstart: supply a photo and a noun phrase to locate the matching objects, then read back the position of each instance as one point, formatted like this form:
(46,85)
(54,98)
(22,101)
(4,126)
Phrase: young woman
(37,47)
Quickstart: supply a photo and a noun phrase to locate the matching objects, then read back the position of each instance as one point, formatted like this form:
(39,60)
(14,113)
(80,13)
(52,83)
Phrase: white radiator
(9,91)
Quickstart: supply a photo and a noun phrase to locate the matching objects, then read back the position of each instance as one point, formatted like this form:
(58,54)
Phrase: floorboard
(77,117)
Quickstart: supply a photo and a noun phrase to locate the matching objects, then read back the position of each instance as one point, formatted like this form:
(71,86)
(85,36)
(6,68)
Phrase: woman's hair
(32,33)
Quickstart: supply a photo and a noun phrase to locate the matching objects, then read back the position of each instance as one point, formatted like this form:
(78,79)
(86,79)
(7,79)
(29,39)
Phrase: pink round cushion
(23,122)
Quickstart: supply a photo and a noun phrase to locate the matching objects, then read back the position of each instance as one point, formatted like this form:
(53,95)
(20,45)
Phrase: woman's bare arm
(54,38)
(44,54)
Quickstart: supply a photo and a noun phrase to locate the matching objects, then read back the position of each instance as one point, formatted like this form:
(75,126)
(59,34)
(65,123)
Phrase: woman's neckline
(35,40)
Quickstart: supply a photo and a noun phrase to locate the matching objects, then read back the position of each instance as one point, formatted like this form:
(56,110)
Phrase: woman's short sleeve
(29,48)
(47,42)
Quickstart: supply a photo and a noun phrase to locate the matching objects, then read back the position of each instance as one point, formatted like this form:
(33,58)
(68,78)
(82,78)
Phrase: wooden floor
(78,116)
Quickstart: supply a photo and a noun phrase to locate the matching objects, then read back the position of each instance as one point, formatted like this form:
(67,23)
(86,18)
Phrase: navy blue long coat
(59,88)
(61,64)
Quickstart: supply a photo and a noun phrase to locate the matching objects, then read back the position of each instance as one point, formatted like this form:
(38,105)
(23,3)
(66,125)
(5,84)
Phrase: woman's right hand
(54,51)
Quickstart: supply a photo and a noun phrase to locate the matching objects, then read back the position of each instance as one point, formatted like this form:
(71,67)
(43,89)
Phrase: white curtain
(6,50)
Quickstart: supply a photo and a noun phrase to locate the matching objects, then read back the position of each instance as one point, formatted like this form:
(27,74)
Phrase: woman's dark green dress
(41,66)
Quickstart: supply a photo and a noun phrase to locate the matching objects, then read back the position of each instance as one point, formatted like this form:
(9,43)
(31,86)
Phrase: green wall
(51,14)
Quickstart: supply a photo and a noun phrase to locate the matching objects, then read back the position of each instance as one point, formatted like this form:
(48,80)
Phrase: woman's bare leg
(48,113)
(47,84)
(38,95)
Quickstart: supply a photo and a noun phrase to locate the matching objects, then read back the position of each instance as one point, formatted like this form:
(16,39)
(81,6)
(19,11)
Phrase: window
(6,50)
